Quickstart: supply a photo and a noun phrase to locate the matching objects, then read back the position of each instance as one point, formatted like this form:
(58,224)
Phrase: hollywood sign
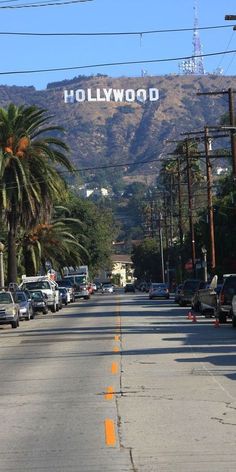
(108,95)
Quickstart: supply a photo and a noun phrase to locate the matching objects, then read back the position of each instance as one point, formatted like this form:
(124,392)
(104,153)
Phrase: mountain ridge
(101,133)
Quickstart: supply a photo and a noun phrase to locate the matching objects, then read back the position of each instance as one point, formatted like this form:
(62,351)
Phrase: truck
(46,285)
(205,300)
(79,279)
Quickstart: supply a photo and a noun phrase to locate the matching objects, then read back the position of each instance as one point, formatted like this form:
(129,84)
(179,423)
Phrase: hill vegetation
(101,134)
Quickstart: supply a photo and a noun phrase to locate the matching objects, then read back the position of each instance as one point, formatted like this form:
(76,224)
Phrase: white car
(107,288)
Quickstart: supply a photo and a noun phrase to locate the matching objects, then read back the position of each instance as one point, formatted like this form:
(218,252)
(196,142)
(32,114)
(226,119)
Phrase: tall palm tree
(55,242)
(29,179)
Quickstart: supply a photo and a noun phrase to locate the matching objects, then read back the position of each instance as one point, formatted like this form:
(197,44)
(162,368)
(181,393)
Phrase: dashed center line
(110,434)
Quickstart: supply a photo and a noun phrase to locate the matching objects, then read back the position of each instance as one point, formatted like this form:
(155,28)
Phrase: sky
(31,53)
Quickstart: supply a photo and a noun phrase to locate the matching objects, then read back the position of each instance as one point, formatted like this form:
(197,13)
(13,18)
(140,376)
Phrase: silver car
(9,310)
(25,304)
(107,288)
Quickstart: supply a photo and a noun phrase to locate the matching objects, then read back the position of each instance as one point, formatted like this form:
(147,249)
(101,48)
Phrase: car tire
(15,323)
(45,311)
(233,321)
(54,308)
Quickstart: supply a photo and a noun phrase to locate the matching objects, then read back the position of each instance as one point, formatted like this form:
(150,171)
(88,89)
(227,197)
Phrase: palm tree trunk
(12,259)
(28,263)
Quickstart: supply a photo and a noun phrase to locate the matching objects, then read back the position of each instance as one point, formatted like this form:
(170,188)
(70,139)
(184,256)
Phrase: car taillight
(222,297)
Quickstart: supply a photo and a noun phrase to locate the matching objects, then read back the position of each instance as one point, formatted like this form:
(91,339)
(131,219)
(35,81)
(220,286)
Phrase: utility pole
(190,207)
(180,216)
(230,92)
(161,248)
(209,197)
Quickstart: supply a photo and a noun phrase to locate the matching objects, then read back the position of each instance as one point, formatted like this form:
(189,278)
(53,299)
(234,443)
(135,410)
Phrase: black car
(39,302)
(129,288)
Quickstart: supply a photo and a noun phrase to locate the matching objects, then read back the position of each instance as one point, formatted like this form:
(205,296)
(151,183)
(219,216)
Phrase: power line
(111,33)
(46,4)
(89,66)
(107,166)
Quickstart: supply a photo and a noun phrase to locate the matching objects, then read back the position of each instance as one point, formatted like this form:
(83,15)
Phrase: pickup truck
(205,300)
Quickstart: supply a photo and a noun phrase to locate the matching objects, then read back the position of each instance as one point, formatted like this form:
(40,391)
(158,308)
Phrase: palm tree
(29,180)
(55,242)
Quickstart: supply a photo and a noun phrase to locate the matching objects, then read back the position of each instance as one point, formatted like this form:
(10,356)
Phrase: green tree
(29,180)
(147,260)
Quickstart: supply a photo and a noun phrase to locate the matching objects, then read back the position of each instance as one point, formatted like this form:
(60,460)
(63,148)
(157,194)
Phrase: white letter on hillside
(141,95)
(153,94)
(118,95)
(99,98)
(107,94)
(69,96)
(80,95)
(90,98)
(130,95)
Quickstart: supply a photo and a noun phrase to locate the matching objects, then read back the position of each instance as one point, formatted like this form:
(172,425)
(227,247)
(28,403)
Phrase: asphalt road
(116,384)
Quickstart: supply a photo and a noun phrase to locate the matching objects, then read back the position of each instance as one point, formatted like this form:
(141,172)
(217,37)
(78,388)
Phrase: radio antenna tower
(197,47)
(194,66)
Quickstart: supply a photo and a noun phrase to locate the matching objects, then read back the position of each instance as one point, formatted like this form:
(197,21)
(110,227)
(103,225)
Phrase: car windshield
(37,285)
(65,283)
(21,297)
(158,286)
(37,295)
(5,298)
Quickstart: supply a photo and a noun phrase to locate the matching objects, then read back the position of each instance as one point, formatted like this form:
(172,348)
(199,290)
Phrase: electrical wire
(112,33)
(89,66)
(46,4)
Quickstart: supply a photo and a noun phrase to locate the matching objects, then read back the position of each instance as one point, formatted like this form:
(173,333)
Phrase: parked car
(9,309)
(26,311)
(205,298)
(66,283)
(65,295)
(39,302)
(190,287)
(234,311)
(225,299)
(177,292)
(158,290)
(129,288)
(107,288)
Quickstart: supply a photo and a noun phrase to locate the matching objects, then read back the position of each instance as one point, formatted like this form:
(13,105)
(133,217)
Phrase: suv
(225,299)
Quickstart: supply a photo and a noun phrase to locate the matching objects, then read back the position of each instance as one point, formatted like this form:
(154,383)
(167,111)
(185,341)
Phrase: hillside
(108,132)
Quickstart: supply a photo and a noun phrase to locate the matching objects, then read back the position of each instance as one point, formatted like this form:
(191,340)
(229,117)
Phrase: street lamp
(1,266)
(204,252)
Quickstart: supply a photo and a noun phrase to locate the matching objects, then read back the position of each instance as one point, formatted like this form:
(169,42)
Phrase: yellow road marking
(114,368)
(110,393)
(110,435)
(117,338)
(115,349)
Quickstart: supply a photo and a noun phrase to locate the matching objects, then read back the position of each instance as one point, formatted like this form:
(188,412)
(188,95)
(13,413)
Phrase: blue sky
(19,53)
